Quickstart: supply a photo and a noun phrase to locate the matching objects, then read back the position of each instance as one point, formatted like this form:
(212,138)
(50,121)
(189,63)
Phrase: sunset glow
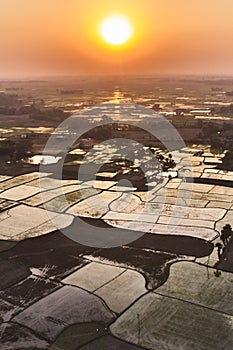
(137,37)
(116,30)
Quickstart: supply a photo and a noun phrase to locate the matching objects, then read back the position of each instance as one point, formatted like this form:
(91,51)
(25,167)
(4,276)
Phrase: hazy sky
(40,37)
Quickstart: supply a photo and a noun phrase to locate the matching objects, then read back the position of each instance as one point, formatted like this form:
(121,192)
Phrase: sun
(116,30)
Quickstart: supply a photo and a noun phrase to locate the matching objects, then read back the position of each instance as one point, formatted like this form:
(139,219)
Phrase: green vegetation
(23,148)
(51,114)
(226,234)
(219,249)
(8,99)
(100,133)
(227,162)
(166,162)
(7,147)
(15,150)
(226,110)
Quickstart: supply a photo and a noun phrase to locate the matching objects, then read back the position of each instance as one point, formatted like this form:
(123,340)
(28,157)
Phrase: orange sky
(41,37)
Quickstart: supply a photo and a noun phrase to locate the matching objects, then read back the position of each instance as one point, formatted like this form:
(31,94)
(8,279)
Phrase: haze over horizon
(46,38)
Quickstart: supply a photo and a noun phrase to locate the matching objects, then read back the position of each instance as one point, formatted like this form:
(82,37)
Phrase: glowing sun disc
(116,30)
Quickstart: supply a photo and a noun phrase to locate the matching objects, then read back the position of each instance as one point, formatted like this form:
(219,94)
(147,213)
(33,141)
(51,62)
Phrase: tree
(226,234)
(23,147)
(217,273)
(7,147)
(227,162)
(219,248)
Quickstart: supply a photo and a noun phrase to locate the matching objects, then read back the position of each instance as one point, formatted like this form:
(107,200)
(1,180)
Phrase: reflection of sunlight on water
(39,159)
(118,97)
